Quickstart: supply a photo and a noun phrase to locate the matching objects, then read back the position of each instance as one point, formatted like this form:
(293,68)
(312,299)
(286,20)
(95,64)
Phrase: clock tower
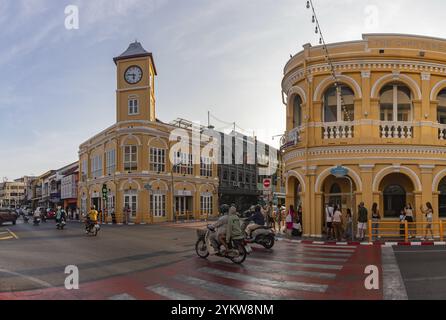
(135,94)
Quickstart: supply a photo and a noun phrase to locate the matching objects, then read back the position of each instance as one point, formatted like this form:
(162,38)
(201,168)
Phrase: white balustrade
(442,131)
(337,130)
(396,130)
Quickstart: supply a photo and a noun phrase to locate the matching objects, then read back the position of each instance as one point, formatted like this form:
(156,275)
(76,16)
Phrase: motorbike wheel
(242,254)
(201,249)
(268,243)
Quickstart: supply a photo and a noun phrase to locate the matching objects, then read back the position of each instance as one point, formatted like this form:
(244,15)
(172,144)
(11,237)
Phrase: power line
(328,59)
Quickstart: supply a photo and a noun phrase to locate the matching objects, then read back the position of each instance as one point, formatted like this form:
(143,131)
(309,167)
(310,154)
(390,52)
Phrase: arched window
(442,198)
(339,104)
(297,112)
(441,109)
(396,103)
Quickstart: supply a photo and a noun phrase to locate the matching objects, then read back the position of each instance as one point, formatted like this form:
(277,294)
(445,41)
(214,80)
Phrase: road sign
(266,184)
(339,171)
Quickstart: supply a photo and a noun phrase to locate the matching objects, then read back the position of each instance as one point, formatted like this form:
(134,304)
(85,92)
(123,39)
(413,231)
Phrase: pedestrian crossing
(299,271)
(7,235)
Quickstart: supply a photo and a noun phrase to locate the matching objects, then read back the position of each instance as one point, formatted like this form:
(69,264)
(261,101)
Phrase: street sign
(339,172)
(266,184)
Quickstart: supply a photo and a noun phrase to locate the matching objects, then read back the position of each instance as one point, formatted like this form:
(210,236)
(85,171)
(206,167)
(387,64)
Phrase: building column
(314,203)
(367,180)
(417,212)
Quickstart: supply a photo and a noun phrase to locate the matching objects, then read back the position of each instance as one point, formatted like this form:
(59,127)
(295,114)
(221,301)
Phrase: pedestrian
(280,217)
(349,225)
(402,219)
(376,217)
(269,215)
(362,221)
(429,212)
(112,212)
(409,218)
(329,210)
(299,215)
(337,223)
(289,221)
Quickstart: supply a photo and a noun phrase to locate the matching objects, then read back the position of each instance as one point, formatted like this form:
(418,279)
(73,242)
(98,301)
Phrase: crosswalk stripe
(224,289)
(311,274)
(300,258)
(330,250)
(299,264)
(123,296)
(290,285)
(304,253)
(7,238)
(169,293)
(340,247)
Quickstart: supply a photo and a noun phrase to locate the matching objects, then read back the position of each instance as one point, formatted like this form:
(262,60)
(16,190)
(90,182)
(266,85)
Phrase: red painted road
(289,271)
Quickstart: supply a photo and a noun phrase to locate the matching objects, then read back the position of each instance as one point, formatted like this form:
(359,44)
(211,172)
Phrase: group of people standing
(339,227)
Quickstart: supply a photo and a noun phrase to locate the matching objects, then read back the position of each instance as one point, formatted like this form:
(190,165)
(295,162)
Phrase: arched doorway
(442,198)
(396,192)
(295,190)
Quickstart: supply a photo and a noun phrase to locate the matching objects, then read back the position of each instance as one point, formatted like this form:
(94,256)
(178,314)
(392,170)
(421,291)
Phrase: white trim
(296,90)
(395,77)
(133,88)
(130,136)
(344,79)
(292,173)
(436,181)
(393,169)
(324,174)
(436,89)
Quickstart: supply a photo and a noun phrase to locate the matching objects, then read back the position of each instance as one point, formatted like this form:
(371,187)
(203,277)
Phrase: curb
(376,243)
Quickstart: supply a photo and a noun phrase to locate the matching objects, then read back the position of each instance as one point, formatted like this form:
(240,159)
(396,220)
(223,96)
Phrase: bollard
(406,231)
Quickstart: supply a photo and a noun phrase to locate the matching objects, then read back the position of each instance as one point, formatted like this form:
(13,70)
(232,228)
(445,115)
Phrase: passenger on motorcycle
(233,230)
(258,219)
(61,215)
(220,227)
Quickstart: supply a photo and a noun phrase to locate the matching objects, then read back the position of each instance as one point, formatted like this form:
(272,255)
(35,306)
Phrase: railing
(337,130)
(405,230)
(441,131)
(397,130)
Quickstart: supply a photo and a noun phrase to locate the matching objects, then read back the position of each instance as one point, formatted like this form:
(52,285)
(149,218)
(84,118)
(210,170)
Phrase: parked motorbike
(238,252)
(264,236)
(92,229)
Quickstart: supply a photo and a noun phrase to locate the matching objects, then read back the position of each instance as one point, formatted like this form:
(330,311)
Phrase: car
(7,215)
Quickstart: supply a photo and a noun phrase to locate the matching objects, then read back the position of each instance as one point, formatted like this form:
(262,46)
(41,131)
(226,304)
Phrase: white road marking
(290,285)
(420,251)
(123,296)
(394,288)
(330,246)
(311,274)
(426,279)
(232,292)
(298,264)
(169,293)
(12,233)
(32,279)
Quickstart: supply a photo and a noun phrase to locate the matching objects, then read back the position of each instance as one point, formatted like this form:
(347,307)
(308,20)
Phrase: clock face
(133,75)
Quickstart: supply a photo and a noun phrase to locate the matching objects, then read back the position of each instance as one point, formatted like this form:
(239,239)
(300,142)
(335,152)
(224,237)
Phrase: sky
(57,85)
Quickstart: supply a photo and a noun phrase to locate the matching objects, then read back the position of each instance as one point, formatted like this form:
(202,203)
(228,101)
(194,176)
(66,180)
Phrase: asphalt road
(423,269)
(37,255)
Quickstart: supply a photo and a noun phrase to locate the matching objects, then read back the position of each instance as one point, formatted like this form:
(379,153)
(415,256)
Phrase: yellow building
(132,157)
(385,124)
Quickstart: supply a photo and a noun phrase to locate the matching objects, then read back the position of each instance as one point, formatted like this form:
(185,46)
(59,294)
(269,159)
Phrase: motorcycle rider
(36,215)
(92,218)
(233,230)
(258,219)
(61,215)
(220,227)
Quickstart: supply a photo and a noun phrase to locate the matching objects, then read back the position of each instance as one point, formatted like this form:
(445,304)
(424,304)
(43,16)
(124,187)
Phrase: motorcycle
(238,252)
(264,236)
(36,221)
(25,219)
(60,225)
(92,229)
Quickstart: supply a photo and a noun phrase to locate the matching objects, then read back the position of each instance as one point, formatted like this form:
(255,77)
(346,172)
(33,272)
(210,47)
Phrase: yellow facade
(133,179)
(387,129)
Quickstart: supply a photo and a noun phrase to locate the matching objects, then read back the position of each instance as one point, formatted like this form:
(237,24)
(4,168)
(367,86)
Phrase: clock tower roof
(135,50)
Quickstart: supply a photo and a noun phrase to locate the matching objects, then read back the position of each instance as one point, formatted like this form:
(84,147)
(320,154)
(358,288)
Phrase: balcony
(441,131)
(338,130)
(396,130)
